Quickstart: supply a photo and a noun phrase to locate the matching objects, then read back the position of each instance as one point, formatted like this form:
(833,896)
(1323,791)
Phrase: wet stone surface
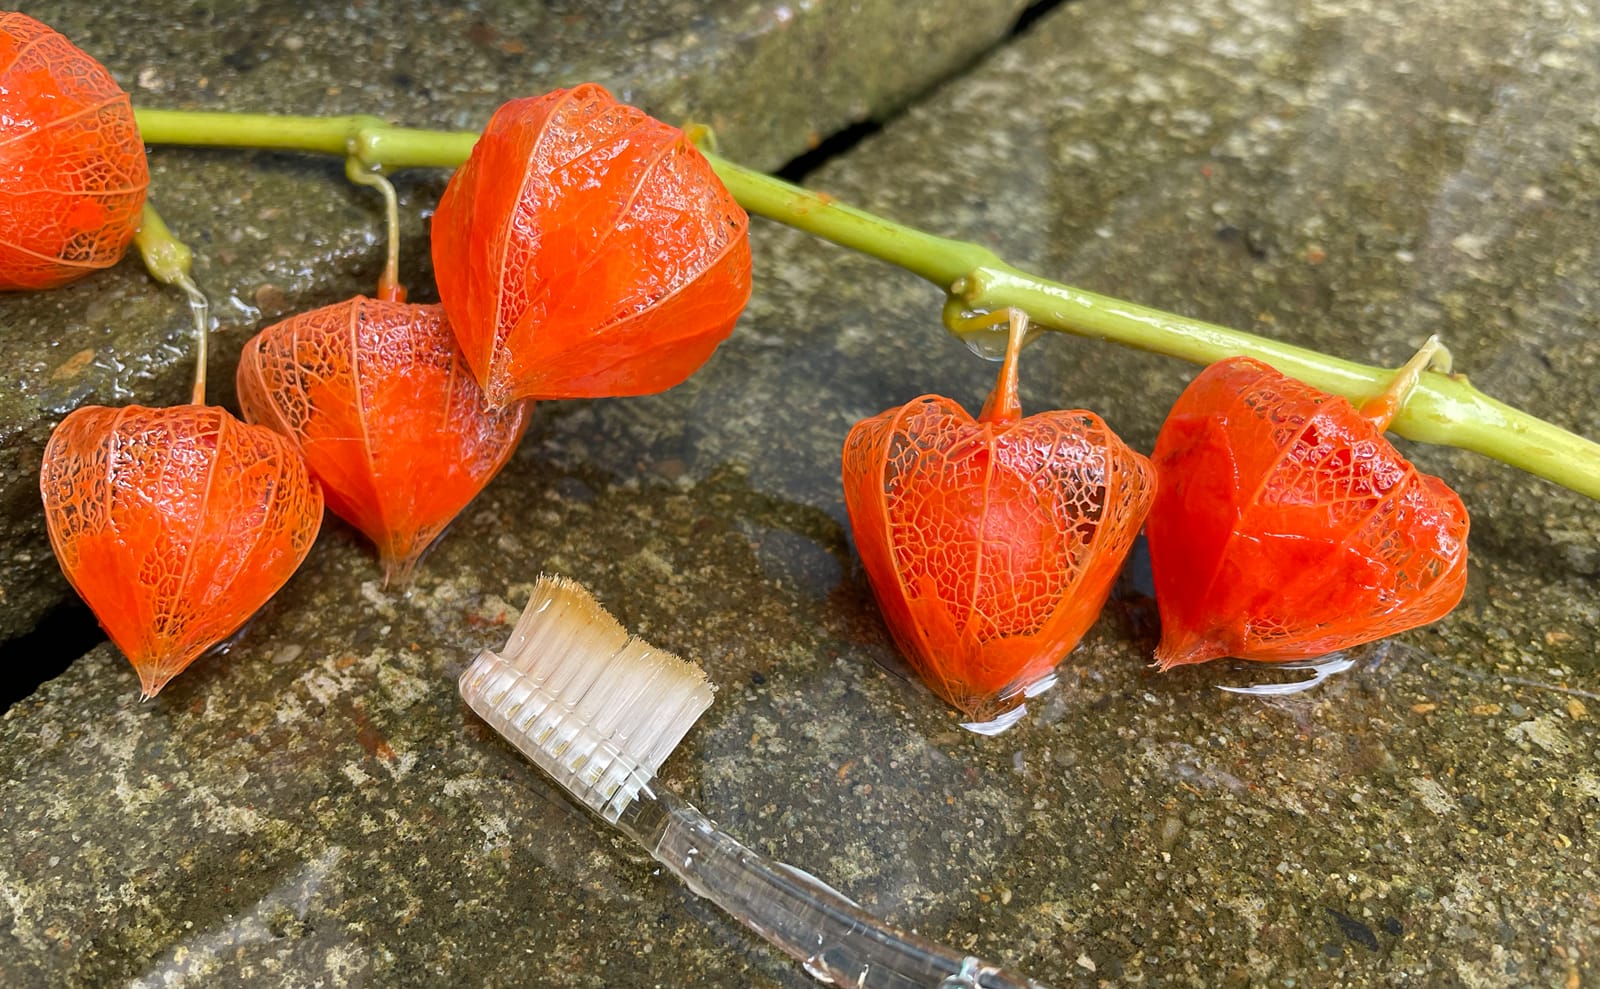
(275,234)
(317,804)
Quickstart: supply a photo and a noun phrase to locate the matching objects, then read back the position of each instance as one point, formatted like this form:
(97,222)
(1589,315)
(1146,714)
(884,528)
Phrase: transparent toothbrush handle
(834,939)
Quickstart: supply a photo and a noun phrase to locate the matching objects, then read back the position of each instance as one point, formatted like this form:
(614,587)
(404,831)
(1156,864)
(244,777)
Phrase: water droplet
(1040,685)
(998,724)
(989,342)
(1006,719)
(1321,669)
(967,978)
(817,967)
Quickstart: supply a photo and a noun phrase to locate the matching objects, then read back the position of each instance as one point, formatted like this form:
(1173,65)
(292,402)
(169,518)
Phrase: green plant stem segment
(1443,409)
(170,262)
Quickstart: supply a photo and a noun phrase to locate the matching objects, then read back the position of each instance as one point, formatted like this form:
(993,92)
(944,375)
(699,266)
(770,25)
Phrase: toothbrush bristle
(597,709)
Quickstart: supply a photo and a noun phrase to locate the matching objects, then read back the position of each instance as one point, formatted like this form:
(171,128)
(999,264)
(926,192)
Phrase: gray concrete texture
(316,806)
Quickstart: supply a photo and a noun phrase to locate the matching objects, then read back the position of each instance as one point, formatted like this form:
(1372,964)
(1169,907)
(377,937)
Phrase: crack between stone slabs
(844,140)
(1031,15)
(67,631)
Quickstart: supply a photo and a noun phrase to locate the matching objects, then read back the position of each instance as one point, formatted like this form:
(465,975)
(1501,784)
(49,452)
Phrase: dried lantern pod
(72,166)
(174,524)
(375,395)
(991,544)
(1287,527)
(587,250)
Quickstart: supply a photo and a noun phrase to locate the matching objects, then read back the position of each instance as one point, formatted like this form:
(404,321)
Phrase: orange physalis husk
(175,525)
(1287,527)
(587,250)
(376,396)
(991,545)
(72,167)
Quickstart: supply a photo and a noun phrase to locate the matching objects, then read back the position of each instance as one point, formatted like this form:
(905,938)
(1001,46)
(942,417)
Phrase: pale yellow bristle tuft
(598,709)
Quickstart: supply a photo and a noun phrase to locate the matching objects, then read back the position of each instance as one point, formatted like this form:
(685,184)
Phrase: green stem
(170,262)
(1443,409)
(370,140)
(389,287)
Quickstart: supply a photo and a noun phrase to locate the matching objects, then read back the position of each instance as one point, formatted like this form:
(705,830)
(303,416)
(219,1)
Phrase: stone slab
(317,806)
(278,234)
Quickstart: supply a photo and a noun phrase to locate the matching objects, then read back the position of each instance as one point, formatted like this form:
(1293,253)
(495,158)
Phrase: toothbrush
(599,710)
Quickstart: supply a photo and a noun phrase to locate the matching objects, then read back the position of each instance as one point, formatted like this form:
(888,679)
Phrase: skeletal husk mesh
(991,547)
(72,167)
(587,250)
(174,525)
(1286,525)
(376,396)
